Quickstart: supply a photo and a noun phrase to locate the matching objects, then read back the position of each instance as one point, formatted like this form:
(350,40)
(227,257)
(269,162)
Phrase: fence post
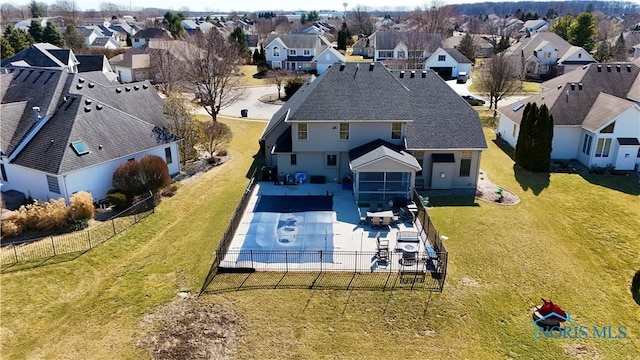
(251,256)
(53,245)
(89,237)
(286,260)
(113,225)
(356,268)
(15,252)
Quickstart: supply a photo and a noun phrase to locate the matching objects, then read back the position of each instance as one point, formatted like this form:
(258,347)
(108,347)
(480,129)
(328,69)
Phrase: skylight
(80,147)
(518,107)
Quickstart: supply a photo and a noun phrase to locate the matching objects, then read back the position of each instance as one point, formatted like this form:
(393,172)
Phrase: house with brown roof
(545,55)
(596,114)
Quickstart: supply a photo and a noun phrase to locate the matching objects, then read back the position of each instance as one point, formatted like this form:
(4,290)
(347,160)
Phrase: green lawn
(528,88)
(571,239)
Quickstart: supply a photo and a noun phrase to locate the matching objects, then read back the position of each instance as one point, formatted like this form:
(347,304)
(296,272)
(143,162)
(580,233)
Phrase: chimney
(424,74)
(413,74)
(573,86)
(599,68)
(402,74)
(36,111)
(371,65)
(579,86)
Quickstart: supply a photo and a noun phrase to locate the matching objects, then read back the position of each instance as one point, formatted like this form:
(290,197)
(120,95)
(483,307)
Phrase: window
(586,144)
(306,52)
(385,54)
(637,156)
(396,131)
(547,55)
(302,131)
(167,155)
(292,52)
(344,131)
(276,51)
(579,56)
(4,172)
(332,160)
(608,129)
(514,132)
(465,163)
(294,159)
(52,181)
(401,55)
(602,149)
(442,57)
(136,40)
(80,147)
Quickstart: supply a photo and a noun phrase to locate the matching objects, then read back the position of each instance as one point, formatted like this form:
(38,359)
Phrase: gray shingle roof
(573,110)
(387,40)
(457,56)
(152,33)
(437,117)
(296,41)
(38,55)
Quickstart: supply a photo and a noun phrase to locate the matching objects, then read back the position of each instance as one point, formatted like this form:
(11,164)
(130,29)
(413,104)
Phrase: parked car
(472,100)
(462,77)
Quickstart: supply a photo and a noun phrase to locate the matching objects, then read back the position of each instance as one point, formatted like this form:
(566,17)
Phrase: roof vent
(573,86)
(584,67)
(99,106)
(608,68)
(342,66)
(87,101)
(401,74)
(100,146)
(136,87)
(599,68)
(579,86)
(87,108)
(559,87)
(78,86)
(628,68)
(145,86)
(424,74)
(371,66)
(80,80)
(618,68)
(91,85)
(413,74)
(36,111)
(127,89)
(118,90)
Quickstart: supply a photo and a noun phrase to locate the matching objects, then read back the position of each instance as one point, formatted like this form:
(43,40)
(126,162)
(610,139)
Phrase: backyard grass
(528,88)
(572,239)
(247,72)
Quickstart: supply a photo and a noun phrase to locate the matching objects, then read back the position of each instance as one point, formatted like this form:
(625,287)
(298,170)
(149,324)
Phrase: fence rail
(50,246)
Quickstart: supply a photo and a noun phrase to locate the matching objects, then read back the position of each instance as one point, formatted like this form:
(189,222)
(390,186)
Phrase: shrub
(154,173)
(169,191)
(222,152)
(81,207)
(635,283)
(78,224)
(119,200)
(126,178)
(292,86)
(50,215)
(10,228)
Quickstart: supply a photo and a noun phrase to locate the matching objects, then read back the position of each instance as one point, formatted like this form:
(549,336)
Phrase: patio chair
(409,258)
(382,255)
(382,244)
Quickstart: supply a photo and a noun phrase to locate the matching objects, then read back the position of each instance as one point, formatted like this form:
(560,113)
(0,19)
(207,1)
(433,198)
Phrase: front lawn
(571,239)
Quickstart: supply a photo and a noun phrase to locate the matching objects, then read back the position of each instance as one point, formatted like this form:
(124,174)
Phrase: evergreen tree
(562,26)
(19,39)
(619,51)
(468,47)
(343,36)
(534,146)
(35,30)
(174,23)
(37,9)
(240,37)
(73,38)
(6,50)
(503,44)
(7,30)
(52,36)
(583,31)
(256,56)
(523,145)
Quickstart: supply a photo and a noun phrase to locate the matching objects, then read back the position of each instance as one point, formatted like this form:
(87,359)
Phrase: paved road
(463,89)
(251,102)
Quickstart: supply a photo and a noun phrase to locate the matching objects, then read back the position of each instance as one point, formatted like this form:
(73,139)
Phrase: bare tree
(282,25)
(212,67)
(436,19)
(499,79)
(167,64)
(278,77)
(361,21)
(264,27)
(68,9)
(109,9)
(215,135)
(183,125)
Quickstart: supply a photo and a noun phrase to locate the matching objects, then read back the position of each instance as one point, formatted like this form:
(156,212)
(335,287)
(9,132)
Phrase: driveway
(463,89)
(251,102)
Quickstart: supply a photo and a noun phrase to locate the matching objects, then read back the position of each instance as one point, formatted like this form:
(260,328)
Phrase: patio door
(383,186)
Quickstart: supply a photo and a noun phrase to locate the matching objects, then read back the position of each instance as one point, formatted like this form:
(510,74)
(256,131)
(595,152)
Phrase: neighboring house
(387,131)
(95,36)
(596,115)
(64,132)
(534,26)
(396,48)
(136,64)
(632,42)
(47,56)
(26,24)
(448,63)
(144,36)
(636,51)
(545,55)
(192,26)
(484,48)
(300,52)
(105,43)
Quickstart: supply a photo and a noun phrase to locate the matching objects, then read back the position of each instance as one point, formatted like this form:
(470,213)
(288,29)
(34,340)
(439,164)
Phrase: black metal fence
(34,249)
(250,269)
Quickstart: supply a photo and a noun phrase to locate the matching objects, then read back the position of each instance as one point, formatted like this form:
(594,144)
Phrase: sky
(257,5)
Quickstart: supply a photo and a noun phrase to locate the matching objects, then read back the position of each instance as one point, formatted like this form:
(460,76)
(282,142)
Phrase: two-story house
(448,63)
(545,55)
(596,115)
(143,37)
(386,131)
(300,52)
(399,49)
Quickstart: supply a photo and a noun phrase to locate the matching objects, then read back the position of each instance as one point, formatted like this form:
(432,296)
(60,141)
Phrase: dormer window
(442,57)
(292,52)
(276,51)
(396,131)
(306,52)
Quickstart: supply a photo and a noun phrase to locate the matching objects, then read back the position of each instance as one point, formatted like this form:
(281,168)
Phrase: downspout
(66,192)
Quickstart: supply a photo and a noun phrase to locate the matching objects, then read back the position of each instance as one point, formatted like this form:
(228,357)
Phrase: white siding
(505,130)
(124,74)
(565,142)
